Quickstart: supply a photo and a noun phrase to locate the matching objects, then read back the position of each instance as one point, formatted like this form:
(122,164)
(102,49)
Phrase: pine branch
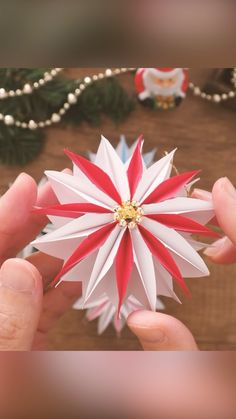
(17,146)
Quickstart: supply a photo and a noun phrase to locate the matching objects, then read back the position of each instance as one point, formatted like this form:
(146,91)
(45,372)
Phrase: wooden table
(205,135)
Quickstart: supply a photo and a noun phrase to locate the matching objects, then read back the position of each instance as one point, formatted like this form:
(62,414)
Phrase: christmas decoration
(162,88)
(123,229)
(105,312)
(33,99)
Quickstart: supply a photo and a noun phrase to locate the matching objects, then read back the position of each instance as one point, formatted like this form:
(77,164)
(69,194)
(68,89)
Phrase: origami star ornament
(124,229)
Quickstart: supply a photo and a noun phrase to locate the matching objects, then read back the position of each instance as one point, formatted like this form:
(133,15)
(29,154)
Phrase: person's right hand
(223,194)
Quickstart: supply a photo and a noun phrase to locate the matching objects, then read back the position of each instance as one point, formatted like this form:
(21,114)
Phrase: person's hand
(26,316)
(160,332)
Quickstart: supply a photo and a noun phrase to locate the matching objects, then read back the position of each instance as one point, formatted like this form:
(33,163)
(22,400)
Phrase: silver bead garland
(28,88)
(215,97)
(71,100)
(55,117)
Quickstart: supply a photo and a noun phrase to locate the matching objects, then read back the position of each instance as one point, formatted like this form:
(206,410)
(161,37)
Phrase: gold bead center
(128,214)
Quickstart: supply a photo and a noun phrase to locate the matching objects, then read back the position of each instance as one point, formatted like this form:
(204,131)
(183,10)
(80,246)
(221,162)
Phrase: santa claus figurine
(162,88)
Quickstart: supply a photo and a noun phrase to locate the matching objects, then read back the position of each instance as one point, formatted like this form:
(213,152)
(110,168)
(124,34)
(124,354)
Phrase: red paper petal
(87,246)
(170,187)
(135,169)
(71,210)
(181,223)
(96,175)
(163,256)
(124,264)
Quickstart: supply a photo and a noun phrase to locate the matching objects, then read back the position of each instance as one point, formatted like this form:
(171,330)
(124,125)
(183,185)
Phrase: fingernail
(20,280)
(229,187)
(215,247)
(200,193)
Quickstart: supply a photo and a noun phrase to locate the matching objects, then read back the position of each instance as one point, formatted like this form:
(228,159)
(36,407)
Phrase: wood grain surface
(205,135)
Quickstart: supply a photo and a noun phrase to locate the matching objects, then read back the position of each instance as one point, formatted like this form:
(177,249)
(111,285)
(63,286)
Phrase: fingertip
(223,188)
(22,192)
(201,194)
(224,200)
(26,181)
(223,251)
(21,274)
(158,331)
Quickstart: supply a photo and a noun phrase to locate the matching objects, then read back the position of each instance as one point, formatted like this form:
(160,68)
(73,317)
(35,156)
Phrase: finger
(205,196)
(56,302)
(201,194)
(160,332)
(18,226)
(48,266)
(224,199)
(20,304)
(15,207)
(223,251)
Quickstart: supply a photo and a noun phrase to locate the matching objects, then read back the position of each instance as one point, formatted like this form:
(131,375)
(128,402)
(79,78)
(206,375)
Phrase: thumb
(160,332)
(224,199)
(20,304)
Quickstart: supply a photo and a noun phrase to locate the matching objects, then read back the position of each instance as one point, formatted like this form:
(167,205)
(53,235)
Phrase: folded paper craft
(125,230)
(103,310)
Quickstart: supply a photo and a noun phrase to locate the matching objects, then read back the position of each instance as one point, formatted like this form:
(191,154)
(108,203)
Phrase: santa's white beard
(156,90)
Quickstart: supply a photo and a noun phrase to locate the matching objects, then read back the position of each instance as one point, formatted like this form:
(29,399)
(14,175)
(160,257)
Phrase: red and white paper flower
(124,229)
(106,312)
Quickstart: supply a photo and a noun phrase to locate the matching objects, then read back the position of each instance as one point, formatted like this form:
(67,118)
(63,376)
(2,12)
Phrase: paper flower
(103,310)
(124,229)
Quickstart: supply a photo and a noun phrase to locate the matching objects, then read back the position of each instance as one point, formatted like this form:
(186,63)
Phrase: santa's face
(166,86)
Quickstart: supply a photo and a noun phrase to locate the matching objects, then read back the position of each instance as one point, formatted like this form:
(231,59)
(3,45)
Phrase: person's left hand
(26,316)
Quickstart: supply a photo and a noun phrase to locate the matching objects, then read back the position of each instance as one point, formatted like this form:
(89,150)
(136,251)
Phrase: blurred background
(111,384)
(203,131)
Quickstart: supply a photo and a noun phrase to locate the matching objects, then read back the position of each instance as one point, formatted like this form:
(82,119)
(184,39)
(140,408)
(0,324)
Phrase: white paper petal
(92,156)
(144,262)
(79,188)
(135,288)
(82,271)
(105,319)
(65,239)
(179,206)
(176,243)
(202,217)
(153,176)
(164,282)
(160,305)
(105,287)
(58,249)
(197,245)
(105,259)
(79,304)
(95,312)
(149,157)
(79,227)
(59,221)
(109,161)
(187,269)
